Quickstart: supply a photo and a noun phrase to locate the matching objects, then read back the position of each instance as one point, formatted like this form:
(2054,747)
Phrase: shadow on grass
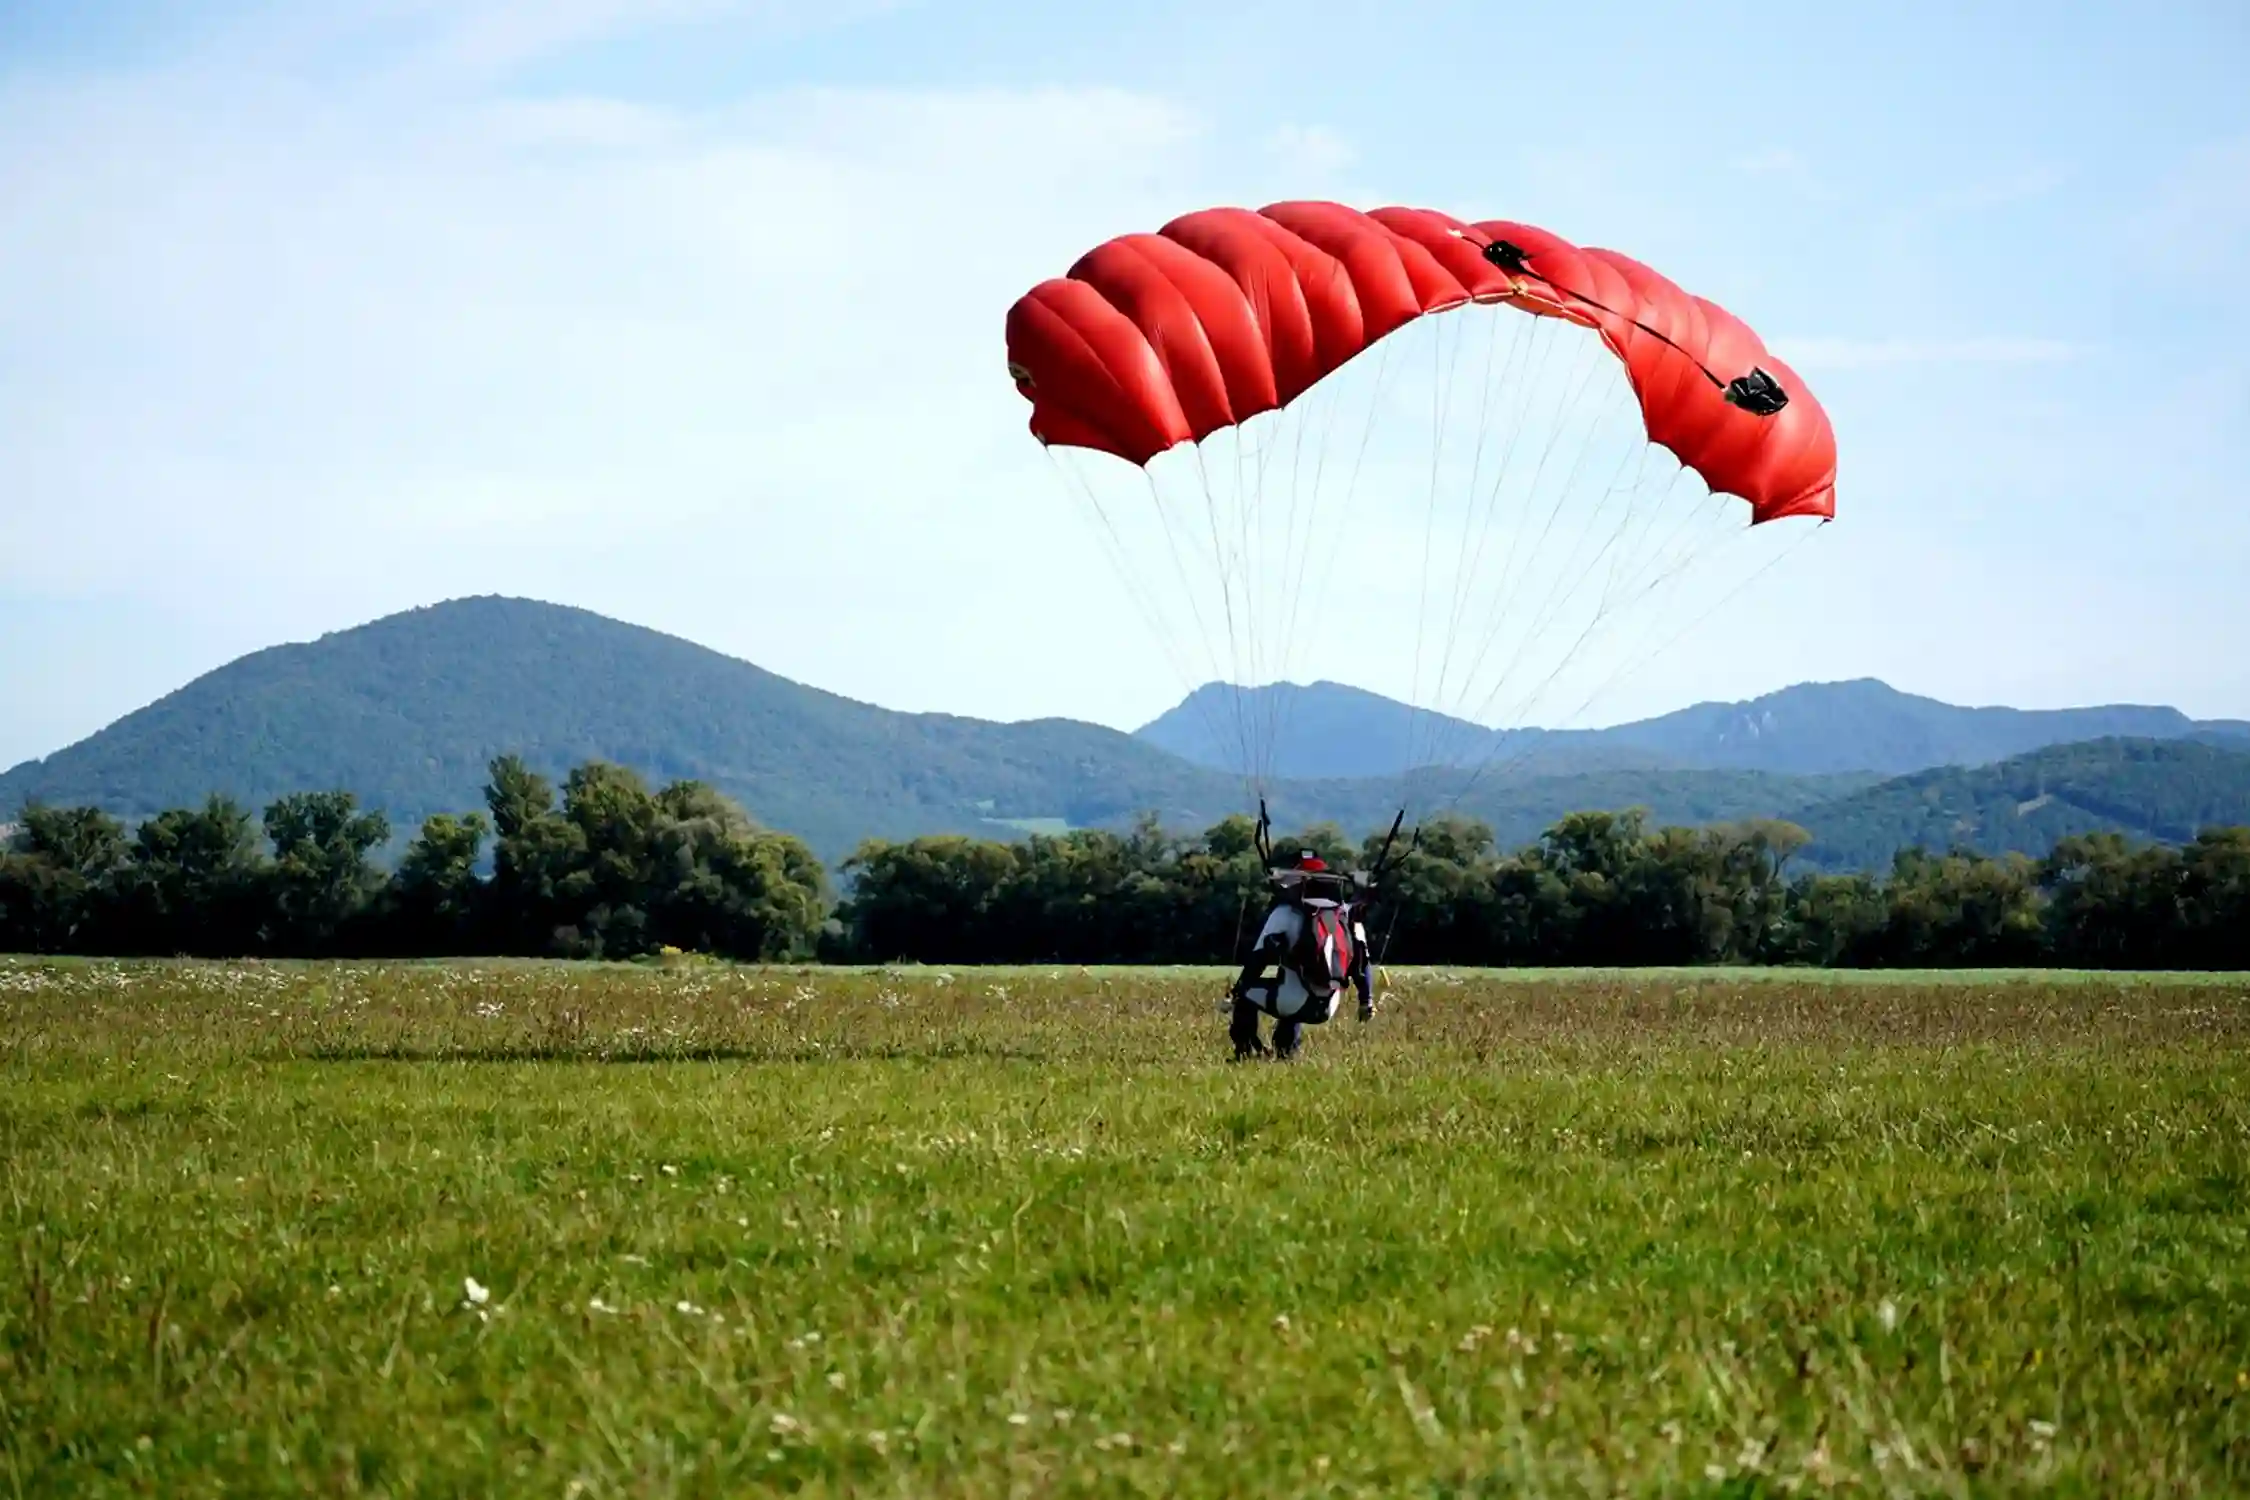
(822,1053)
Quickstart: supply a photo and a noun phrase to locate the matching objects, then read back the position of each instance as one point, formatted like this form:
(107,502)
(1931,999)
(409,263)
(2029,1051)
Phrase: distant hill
(408,712)
(1520,806)
(1865,725)
(1811,729)
(2160,791)
(1326,730)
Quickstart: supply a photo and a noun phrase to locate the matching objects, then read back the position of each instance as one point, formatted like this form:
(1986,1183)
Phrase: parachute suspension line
(1679,540)
(1555,594)
(1226,596)
(1516,554)
(1538,691)
(1256,754)
(1291,552)
(1294,556)
(1711,505)
(1582,372)
(1571,568)
(1334,543)
(1636,661)
(1187,587)
(1533,694)
(1418,715)
(1639,487)
(1632,665)
(1682,537)
(1466,558)
(1470,568)
(1441,393)
(1136,586)
(1276,652)
(1264,666)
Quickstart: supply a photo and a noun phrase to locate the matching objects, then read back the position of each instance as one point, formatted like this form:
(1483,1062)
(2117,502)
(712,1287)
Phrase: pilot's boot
(1244,1032)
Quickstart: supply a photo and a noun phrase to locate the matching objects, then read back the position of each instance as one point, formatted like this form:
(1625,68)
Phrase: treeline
(612,868)
(1597,889)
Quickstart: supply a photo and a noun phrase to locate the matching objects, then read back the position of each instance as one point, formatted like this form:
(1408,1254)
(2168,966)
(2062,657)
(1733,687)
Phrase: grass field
(577,1230)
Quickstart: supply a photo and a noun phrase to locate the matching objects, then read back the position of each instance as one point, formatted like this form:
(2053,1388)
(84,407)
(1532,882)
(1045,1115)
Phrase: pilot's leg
(1244,1031)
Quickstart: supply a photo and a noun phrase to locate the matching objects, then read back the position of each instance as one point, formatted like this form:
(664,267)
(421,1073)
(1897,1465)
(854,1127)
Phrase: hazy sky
(690,312)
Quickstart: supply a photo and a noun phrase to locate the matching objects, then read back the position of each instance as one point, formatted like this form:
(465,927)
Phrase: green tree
(924,900)
(2215,900)
(1830,920)
(1959,910)
(606,890)
(721,884)
(56,877)
(320,882)
(534,851)
(2111,905)
(195,883)
(436,901)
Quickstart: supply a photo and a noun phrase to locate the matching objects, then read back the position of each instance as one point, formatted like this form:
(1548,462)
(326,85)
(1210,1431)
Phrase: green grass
(1021,1232)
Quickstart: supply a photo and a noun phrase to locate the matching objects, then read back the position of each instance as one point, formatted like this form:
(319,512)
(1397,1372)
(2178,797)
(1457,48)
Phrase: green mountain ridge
(1811,729)
(408,711)
(2153,791)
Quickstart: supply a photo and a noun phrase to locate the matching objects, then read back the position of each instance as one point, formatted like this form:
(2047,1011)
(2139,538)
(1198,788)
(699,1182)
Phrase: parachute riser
(1383,857)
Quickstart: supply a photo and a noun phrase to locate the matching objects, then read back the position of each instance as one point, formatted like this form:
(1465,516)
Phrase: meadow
(693,1229)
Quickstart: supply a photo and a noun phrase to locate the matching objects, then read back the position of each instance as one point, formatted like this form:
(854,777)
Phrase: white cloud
(1815,353)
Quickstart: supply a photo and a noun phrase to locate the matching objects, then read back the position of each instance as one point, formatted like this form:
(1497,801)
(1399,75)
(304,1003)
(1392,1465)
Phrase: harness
(1312,944)
(1306,951)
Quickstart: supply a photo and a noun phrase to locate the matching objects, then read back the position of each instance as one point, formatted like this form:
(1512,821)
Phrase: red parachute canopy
(1154,340)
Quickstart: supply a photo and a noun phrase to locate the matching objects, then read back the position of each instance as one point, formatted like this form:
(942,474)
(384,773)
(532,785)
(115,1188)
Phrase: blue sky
(689,312)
